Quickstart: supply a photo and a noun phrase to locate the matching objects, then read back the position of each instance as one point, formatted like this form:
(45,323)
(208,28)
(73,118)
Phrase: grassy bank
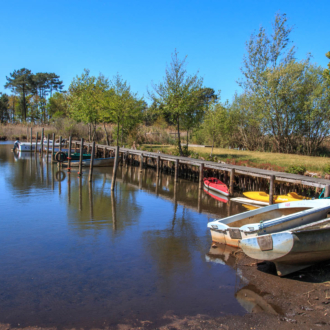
(264,160)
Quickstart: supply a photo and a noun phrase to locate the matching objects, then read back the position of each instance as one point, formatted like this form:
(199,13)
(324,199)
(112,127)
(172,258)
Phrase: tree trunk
(117,132)
(106,133)
(89,132)
(187,137)
(179,140)
(212,145)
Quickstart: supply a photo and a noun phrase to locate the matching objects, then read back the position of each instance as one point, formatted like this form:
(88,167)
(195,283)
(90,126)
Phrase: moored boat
(269,219)
(98,162)
(294,249)
(216,185)
(263,197)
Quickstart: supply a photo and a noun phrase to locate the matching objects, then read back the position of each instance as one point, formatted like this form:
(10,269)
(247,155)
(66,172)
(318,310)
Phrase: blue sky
(136,38)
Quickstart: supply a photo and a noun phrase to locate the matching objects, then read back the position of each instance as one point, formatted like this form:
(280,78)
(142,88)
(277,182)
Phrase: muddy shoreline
(299,301)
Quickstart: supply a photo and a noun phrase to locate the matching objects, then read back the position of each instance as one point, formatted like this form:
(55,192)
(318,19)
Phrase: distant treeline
(284,106)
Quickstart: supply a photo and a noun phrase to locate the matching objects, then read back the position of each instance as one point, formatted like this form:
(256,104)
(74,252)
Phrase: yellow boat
(263,197)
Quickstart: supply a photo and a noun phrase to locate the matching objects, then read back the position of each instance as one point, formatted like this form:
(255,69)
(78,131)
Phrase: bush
(326,169)
(296,169)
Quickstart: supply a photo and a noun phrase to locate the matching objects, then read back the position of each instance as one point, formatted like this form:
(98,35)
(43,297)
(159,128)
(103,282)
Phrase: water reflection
(74,254)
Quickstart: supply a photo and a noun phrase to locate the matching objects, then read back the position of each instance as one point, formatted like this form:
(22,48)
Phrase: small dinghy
(263,197)
(216,185)
(294,249)
(98,162)
(266,220)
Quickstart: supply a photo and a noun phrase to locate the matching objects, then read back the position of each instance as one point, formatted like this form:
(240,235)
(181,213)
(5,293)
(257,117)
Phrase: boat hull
(292,250)
(99,162)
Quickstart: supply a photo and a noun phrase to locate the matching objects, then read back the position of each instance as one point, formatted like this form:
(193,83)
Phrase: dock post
(36,148)
(81,156)
(231,185)
(104,152)
(201,174)
(69,154)
(271,189)
(53,147)
(47,151)
(115,165)
(31,139)
(60,147)
(158,165)
(141,162)
(327,191)
(176,170)
(42,142)
(91,163)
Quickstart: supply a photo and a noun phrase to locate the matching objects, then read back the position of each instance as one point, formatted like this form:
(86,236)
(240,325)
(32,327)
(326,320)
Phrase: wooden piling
(53,147)
(42,142)
(271,189)
(31,139)
(36,147)
(60,147)
(115,165)
(231,184)
(81,156)
(157,165)
(176,170)
(327,191)
(104,150)
(47,151)
(91,163)
(201,174)
(69,154)
(141,162)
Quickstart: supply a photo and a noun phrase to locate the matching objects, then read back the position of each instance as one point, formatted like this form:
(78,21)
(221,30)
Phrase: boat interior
(319,225)
(264,216)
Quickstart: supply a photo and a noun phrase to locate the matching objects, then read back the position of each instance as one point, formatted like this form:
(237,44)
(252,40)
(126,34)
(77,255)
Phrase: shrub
(326,168)
(296,169)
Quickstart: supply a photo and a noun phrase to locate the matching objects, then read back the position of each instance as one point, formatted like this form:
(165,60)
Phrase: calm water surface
(74,255)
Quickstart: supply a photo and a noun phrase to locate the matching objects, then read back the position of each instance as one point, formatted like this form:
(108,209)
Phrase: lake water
(74,255)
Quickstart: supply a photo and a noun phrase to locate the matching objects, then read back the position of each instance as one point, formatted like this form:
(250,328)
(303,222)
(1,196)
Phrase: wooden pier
(243,176)
(158,160)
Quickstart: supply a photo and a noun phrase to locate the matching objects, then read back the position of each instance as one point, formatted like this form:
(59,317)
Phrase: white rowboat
(266,220)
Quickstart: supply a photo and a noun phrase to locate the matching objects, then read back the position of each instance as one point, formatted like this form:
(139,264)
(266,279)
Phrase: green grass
(264,160)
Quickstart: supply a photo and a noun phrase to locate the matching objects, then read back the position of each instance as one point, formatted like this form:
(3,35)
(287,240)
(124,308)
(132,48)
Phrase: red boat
(216,185)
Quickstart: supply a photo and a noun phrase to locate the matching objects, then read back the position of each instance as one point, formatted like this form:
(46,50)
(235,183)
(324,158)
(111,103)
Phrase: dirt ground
(299,301)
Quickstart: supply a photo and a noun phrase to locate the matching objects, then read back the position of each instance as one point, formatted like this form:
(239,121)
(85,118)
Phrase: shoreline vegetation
(280,120)
(161,139)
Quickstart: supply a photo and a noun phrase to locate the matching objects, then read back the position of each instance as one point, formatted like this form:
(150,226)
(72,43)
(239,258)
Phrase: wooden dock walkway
(232,170)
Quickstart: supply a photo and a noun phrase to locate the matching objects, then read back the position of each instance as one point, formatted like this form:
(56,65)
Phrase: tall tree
(122,107)
(177,92)
(85,94)
(4,104)
(20,81)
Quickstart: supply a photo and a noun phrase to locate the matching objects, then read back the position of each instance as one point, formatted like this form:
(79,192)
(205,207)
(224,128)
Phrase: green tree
(122,107)
(4,105)
(57,105)
(20,82)
(177,93)
(84,99)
